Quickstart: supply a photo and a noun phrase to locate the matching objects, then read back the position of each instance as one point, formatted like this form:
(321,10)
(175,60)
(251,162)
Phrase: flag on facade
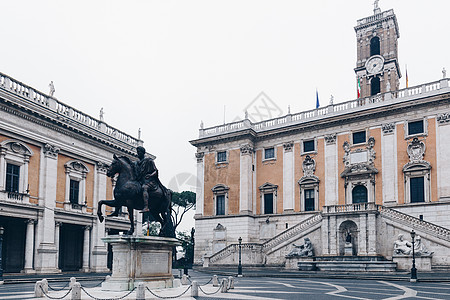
(359,88)
(317,99)
(406,76)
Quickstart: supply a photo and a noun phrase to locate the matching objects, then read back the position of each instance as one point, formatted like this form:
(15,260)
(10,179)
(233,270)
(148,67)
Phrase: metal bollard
(73,280)
(230,282)
(185,280)
(44,284)
(224,288)
(194,289)
(38,290)
(140,291)
(76,291)
(215,280)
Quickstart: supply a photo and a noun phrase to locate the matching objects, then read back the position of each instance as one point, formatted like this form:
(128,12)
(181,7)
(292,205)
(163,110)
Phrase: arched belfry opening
(375,86)
(375,46)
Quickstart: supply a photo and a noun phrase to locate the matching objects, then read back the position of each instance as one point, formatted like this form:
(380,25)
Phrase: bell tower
(377,69)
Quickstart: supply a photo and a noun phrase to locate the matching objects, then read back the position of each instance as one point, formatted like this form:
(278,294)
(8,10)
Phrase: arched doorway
(348,230)
(359,194)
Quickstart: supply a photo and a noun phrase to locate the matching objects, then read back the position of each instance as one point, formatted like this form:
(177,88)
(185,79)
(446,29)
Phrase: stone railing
(356,207)
(233,248)
(376,17)
(63,112)
(291,232)
(330,110)
(416,223)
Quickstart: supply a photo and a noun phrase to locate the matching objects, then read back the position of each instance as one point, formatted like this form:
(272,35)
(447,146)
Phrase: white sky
(164,66)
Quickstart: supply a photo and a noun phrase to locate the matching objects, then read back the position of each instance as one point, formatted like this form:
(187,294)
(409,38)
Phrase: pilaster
(246,183)
(200,183)
(388,164)
(325,230)
(442,155)
(333,236)
(86,248)
(331,173)
(29,244)
(372,234)
(288,176)
(362,239)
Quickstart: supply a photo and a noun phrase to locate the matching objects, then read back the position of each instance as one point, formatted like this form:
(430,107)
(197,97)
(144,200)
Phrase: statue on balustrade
(138,187)
(402,247)
(302,250)
(420,249)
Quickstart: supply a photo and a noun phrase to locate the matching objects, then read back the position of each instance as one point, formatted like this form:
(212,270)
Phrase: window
(268,203)
(375,86)
(359,194)
(220,205)
(359,137)
(221,156)
(417,191)
(309,200)
(269,153)
(375,46)
(415,127)
(12,178)
(74,191)
(309,146)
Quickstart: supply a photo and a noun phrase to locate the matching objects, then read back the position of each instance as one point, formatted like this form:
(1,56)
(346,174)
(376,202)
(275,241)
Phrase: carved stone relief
(443,118)
(246,149)
(51,151)
(288,146)
(388,128)
(308,166)
(416,150)
(199,156)
(330,139)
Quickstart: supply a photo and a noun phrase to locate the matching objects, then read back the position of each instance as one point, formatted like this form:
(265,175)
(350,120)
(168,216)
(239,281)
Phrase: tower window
(375,86)
(375,46)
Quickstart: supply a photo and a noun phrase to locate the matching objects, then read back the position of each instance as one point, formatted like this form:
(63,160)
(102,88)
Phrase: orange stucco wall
(376,133)
(430,156)
(90,187)
(298,173)
(341,182)
(402,159)
(227,174)
(320,171)
(270,171)
(33,173)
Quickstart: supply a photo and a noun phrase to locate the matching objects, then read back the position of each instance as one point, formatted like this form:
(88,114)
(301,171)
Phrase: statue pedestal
(348,249)
(404,262)
(146,259)
(302,263)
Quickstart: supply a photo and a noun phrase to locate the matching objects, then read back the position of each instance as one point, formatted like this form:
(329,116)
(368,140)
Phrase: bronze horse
(128,192)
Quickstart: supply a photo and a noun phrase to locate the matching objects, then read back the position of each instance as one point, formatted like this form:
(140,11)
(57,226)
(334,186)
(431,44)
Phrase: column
(325,239)
(372,234)
(288,176)
(246,183)
(86,249)
(362,239)
(2,168)
(333,236)
(389,176)
(200,183)
(99,249)
(46,251)
(331,176)
(57,229)
(442,155)
(29,243)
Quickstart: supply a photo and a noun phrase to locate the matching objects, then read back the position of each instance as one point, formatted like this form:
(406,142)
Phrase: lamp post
(2,230)
(413,269)
(240,264)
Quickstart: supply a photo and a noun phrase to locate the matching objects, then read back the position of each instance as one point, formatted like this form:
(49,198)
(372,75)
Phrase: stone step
(348,266)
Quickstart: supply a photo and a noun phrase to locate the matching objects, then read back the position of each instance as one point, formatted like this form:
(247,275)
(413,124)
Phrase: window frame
(424,131)
(352,135)
(306,191)
(13,176)
(269,158)
(268,188)
(414,195)
(73,190)
(220,190)
(303,146)
(222,161)
(76,171)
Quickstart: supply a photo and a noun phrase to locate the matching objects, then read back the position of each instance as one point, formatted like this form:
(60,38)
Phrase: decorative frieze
(288,146)
(330,139)
(388,128)
(199,156)
(246,149)
(443,118)
(51,151)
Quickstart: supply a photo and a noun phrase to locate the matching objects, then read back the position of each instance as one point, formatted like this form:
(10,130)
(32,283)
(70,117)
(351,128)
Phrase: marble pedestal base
(301,263)
(423,263)
(146,259)
(348,249)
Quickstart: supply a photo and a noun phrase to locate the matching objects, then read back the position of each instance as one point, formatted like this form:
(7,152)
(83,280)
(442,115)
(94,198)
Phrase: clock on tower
(377,65)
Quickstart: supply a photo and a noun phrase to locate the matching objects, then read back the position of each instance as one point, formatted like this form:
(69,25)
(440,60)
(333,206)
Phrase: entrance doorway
(359,194)
(71,247)
(13,247)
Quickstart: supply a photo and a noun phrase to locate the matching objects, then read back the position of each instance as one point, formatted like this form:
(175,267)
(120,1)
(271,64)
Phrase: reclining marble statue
(302,250)
(402,247)
(420,249)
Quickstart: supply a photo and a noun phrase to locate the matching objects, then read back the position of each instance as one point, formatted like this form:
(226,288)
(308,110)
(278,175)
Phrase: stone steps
(348,266)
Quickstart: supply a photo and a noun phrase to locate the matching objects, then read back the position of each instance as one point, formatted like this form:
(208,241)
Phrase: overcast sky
(165,66)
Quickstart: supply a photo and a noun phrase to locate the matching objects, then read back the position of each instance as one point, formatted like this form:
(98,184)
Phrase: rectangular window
(268,203)
(359,137)
(309,200)
(308,146)
(269,153)
(12,178)
(220,205)
(416,187)
(74,191)
(415,127)
(221,156)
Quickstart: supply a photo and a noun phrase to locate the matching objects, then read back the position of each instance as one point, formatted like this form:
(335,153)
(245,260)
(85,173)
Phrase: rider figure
(146,174)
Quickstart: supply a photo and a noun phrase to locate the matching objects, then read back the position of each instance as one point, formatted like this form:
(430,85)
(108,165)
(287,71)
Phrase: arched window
(375,46)
(375,86)
(359,194)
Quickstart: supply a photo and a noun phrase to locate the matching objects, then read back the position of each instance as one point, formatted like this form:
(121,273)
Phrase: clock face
(374,64)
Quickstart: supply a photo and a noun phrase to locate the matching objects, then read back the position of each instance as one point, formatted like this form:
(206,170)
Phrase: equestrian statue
(138,187)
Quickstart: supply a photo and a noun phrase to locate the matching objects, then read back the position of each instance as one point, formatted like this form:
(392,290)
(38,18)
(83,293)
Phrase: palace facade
(375,167)
(53,162)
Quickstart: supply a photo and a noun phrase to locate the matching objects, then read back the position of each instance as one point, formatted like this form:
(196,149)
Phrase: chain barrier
(207,282)
(169,297)
(58,289)
(97,285)
(57,298)
(220,287)
(118,298)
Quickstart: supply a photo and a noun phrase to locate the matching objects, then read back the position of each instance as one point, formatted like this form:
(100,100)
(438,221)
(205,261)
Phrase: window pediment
(76,166)
(416,166)
(220,189)
(16,147)
(268,187)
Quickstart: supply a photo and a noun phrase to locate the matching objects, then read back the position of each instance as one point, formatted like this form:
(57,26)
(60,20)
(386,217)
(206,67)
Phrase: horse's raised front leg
(110,203)
(131,216)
